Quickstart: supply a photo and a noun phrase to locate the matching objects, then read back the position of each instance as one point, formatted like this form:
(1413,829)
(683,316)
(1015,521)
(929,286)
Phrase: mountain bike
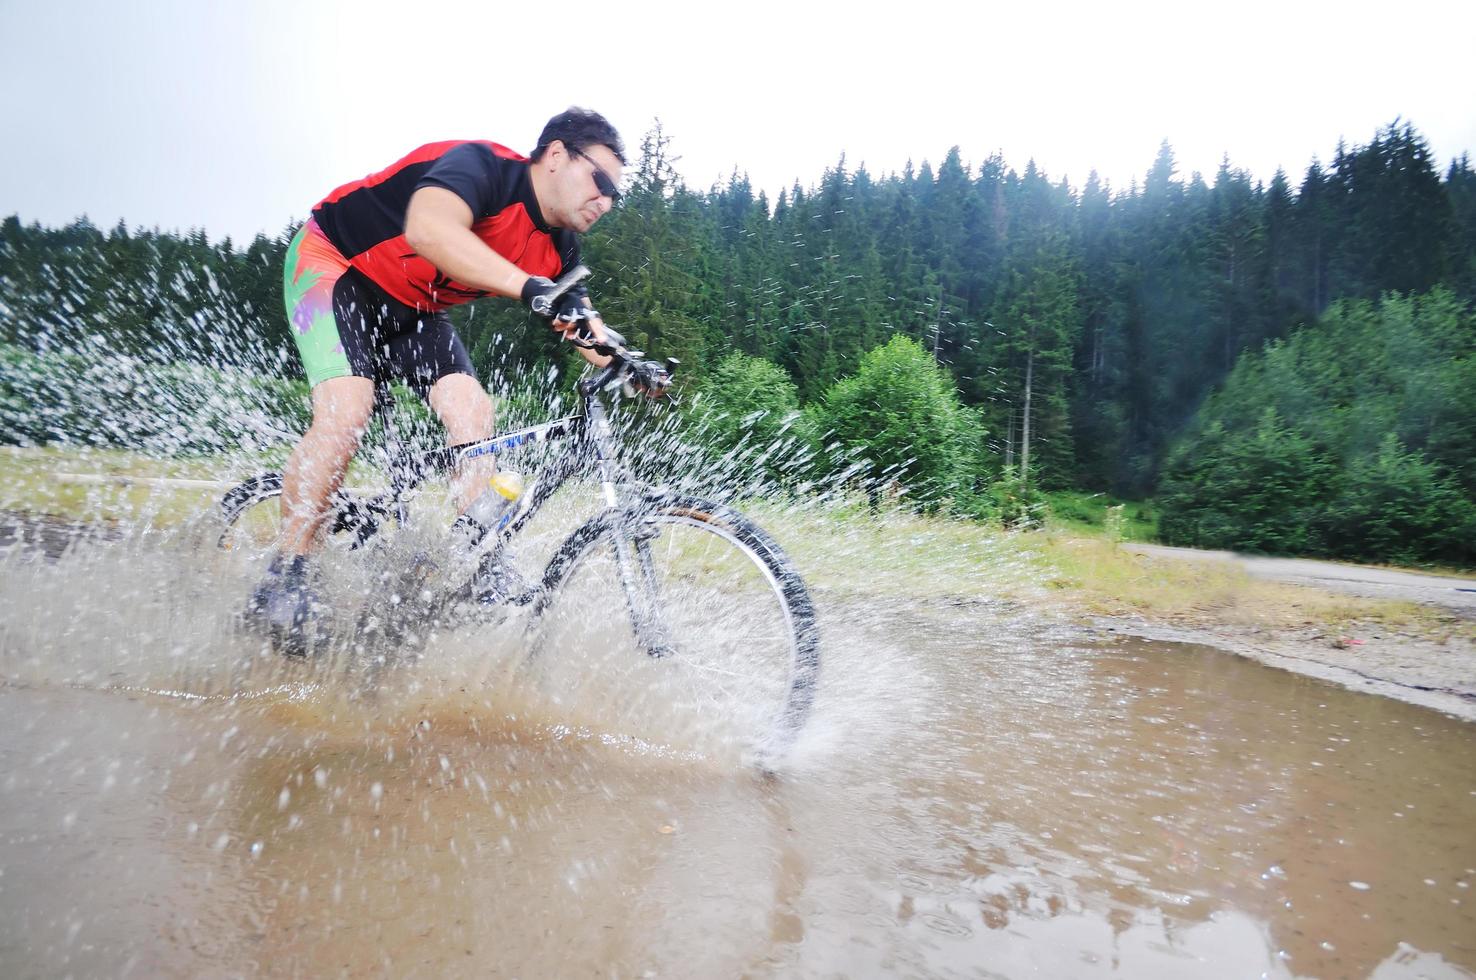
(708,604)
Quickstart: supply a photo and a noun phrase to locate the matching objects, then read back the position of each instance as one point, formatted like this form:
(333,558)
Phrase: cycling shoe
(498,582)
(285,607)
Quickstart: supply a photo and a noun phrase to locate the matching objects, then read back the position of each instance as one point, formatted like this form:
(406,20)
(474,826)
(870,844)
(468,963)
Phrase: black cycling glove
(572,305)
(538,295)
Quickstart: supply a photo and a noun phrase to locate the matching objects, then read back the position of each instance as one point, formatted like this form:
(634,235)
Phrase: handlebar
(625,364)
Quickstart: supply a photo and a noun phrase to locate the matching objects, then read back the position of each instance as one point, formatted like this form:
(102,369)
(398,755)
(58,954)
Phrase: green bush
(746,414)
(900,420)
(166,409)
(1354,438)
(1253,491)
(1395,504)
(1016,503)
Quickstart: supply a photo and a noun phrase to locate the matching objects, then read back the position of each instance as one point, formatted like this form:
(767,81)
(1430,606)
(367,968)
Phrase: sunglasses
(603,183)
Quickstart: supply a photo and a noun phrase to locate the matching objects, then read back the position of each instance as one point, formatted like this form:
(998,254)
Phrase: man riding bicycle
(368,280)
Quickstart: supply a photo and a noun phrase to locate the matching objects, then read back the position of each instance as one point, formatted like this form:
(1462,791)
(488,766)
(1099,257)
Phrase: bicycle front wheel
(683,618)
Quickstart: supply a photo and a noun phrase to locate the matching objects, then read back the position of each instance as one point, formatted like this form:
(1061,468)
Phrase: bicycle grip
(568,280)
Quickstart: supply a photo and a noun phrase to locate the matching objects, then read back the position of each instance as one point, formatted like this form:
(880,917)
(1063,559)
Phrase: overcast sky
(238,117)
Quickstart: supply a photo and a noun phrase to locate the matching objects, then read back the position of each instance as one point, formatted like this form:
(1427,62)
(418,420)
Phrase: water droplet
(284,798)
(376,792)
(256,849)
(1362,886)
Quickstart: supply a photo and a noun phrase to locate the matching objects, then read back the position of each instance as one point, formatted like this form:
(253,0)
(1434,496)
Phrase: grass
(844,548)
(41,480)
(1099,513)
(850,549)
(1110,581)
(36,482)
(853,551)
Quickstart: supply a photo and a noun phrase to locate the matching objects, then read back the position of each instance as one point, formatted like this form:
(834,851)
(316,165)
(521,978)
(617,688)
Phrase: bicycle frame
(407,471)
(594,447)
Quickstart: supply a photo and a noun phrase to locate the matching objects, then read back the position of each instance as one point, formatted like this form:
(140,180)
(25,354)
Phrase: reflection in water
(987,797)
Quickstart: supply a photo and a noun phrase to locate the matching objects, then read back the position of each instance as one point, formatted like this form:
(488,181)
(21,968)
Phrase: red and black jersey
(365,220)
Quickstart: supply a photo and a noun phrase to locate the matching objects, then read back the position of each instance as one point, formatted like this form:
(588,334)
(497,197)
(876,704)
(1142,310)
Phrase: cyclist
(368,280)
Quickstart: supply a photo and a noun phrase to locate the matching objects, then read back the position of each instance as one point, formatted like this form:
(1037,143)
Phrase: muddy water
(979,794)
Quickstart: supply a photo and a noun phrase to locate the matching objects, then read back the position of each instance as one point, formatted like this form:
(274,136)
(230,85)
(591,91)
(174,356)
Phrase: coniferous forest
(1286,367)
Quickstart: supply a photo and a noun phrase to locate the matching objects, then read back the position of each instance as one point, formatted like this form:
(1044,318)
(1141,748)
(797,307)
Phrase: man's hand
(568,308)
(583,329)
(574,306)
(538,295)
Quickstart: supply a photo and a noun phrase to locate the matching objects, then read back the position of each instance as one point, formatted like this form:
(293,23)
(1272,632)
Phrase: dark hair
(579,129)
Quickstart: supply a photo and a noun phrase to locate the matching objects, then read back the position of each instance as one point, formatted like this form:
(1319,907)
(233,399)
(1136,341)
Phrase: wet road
(980,794)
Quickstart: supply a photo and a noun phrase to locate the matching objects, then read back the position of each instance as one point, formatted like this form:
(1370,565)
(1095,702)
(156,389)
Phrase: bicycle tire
(740,619)
(246,525)
(249,525)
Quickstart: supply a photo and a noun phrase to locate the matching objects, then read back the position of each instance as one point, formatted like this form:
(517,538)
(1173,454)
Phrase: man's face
(579,199)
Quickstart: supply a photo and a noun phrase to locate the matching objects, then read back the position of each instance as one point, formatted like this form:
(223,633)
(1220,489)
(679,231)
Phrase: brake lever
(583,336)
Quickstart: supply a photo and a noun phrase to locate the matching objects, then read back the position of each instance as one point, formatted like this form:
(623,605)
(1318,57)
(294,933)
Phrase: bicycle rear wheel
(733,651)
(380,603)
(251,516)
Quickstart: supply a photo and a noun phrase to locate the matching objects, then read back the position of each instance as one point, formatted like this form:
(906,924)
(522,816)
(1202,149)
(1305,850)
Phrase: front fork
(632,537)
(641,587)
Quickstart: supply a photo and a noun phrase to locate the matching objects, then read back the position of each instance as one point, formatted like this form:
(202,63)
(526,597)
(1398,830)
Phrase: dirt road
(1457,594)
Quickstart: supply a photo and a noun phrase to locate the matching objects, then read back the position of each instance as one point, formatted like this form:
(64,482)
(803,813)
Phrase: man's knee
(463,406)
(341,410)
(343,402)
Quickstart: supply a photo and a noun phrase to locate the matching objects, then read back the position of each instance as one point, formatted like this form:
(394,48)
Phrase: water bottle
(493,508)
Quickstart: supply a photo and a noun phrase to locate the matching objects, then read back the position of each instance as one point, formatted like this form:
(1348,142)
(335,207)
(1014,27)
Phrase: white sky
(237,117)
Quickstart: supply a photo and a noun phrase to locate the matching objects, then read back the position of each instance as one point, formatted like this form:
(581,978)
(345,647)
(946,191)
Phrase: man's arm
(438,226)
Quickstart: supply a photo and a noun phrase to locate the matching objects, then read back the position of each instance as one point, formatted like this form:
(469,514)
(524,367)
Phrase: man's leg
(466,411)
(315,470)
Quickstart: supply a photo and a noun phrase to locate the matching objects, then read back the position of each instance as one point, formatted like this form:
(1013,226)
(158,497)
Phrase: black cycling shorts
(344,325)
